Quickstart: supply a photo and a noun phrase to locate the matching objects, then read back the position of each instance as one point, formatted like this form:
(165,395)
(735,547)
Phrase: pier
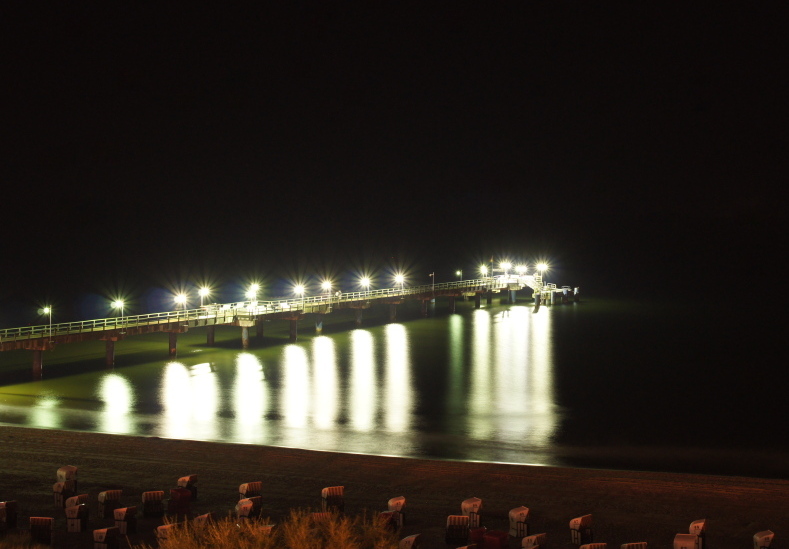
(253,313)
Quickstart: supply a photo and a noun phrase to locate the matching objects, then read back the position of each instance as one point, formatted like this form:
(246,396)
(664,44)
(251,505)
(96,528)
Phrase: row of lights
(326,286)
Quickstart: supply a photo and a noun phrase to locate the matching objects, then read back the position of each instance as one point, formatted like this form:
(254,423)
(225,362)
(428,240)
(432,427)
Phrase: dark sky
(152,148)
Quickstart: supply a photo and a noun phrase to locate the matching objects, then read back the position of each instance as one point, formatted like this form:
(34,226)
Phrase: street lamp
(433,283)
(180,299)
(365,282)
(48,311)
(298,289)
(542,267)
(459,274)
(118,304)
(400,280)
(483,270)
(252,293)
(203,292)
(506,266)
(521,270)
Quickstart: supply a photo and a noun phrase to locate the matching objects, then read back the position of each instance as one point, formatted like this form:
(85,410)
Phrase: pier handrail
(259,308)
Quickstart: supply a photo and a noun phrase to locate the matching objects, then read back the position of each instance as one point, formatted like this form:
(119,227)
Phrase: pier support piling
(424,308)
(294,329)
(512,296)
(259,329)
(358,316)
(109,354)
(173,343)
(451,304)
(392,312)
(489,297)
(477,301)
(244,337)
(38,364)
(319,324)
(210,334)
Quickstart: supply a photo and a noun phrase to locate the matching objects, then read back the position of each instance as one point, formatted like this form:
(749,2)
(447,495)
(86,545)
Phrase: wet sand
(627,506)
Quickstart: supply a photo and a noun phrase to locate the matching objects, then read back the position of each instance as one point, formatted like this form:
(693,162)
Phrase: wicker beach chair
(634,545)
(153,503)
(125,520)
(410,542)
(519,527)
(179,502)
(699,529)
(594,546)
(106,538)
(472,508)
(42,530)
(333,498)
(397,505)
(250,489)
(581,530)
(190,483)
(249,508)
(76,518)
(8,515)
(457,529)
(81,499)
(762,540)
(534,540)
(62,490)
(67,473)
(109,500)
(686,541)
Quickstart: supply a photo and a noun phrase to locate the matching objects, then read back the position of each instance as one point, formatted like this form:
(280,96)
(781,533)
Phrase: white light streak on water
(324,383)
(364,390)
(480,397)
(118,396)
(296,386)
(249,399)
(397,416)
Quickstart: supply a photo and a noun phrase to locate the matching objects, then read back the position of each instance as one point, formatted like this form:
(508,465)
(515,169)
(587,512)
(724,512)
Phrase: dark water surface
(613,384)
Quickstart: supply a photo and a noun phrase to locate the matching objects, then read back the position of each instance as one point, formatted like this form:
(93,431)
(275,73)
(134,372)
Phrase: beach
(627,506)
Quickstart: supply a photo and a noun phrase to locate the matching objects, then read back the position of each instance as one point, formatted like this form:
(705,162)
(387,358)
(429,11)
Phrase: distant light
(202,292)
(254,287)
(542,266)
(298,289)
(118,304)
(365,281)
(506,265)
(521,269)
(459,273)
(326,285)
(46,310)
(483,269)
(180,299)
(399,279)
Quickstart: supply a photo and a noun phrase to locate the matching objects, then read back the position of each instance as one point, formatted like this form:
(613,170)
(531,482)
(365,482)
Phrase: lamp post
(400,280)
(180,299)
(365,283)
(542,267)
(48,311)
(118,304)
(483,270)
(203,292)
(506,266)
(433,283)
(459,274)
(298,289)
(252,293)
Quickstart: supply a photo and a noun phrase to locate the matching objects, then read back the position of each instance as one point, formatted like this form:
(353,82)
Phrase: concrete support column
(38,365)
(294,329)
(173,343)
(489,297)
(512,296)
(319,324)
(244,337)
(209,335)
(358,316)
(259,329)
(110,353)
(577,295)
(424,308)
(451,304)
(536,302)
(392,312)
(477,301)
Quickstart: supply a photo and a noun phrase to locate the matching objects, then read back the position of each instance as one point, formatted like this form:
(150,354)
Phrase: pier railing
(227,312)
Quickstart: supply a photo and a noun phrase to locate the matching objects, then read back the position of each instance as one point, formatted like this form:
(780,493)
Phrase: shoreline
(626,505)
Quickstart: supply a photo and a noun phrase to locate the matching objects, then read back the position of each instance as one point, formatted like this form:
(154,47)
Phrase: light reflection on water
(394,389)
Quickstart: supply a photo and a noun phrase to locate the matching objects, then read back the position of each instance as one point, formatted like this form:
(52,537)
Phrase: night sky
(154,148)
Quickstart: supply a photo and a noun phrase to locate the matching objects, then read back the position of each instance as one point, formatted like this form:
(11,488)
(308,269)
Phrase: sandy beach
(626,506)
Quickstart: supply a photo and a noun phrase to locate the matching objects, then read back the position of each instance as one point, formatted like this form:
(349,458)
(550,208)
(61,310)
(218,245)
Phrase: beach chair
(153,503)
(67,473)
(164,531)
(519,528)
(203,520)
(81,499)
(76,518)
(320,517)
(535,540)
(125,520)
(762,540)
(250,489)
(42,530)
(8,515)
(333,497)
(472,507)
(249,508)
(106,538)
(457,529)
(594,546)
(190,483)
(634,545)
(179,501)
(581,530)
(397,506)
(410,542)
(62,490)
(109,500)
(699,528)
(388,519)
(496,539)
(686,541)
